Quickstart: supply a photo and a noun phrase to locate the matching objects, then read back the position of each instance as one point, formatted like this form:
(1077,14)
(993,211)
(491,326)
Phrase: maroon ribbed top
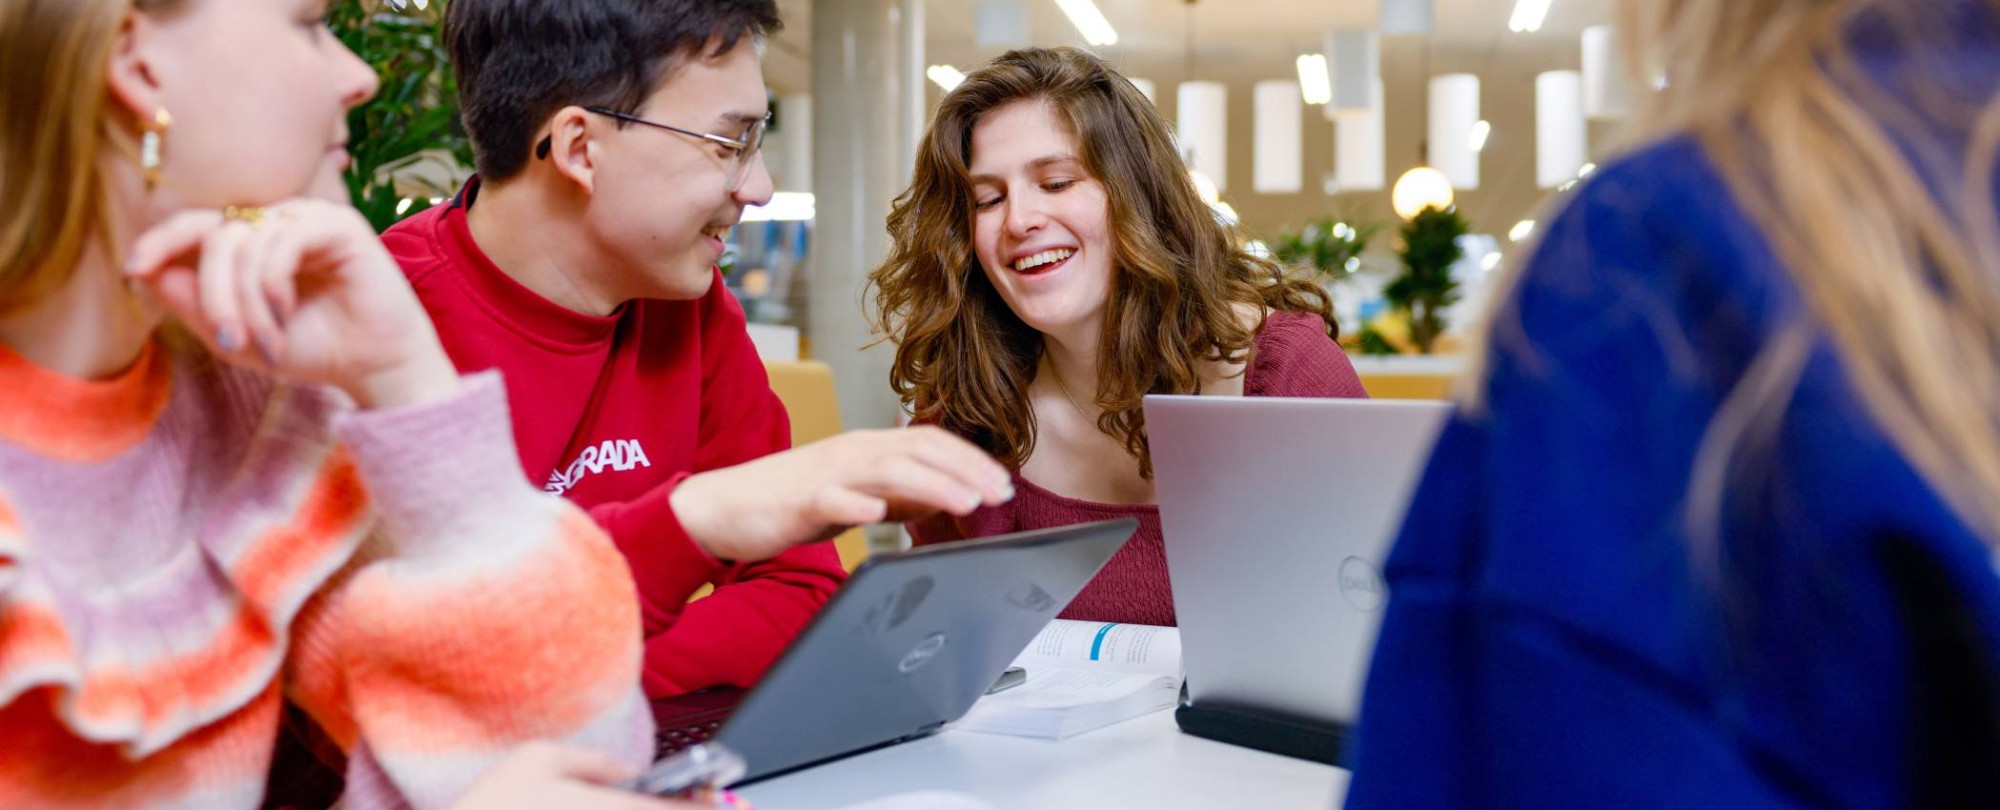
(1293,358)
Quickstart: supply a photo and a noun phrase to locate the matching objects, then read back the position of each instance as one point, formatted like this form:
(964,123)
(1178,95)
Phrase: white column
(1354,65)
(858,125)
(1203,128)
(1279,138)
(1454,111)
(912,100)
(1560,135)
(1358,142)
(1606,91)
(788,148)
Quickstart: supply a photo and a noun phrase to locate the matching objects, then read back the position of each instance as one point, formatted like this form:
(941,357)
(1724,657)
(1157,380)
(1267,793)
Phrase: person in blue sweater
(1715,524)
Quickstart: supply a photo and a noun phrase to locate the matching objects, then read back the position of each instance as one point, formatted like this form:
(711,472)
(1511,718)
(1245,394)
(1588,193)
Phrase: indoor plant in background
(407,143)
(1430,248)
(1329,247)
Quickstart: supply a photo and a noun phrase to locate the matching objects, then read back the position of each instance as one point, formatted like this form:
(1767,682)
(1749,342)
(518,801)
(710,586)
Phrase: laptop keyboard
(691,718)
(670,741)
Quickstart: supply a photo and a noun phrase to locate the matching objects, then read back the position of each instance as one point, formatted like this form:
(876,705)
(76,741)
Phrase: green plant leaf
(414,113)
(1430,248)
(1325,246)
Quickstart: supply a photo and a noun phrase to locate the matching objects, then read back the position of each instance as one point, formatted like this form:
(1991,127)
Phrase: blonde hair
(53,126)
(1853,185)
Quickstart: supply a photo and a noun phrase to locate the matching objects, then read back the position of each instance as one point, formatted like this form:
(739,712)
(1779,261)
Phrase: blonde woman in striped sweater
(236,468)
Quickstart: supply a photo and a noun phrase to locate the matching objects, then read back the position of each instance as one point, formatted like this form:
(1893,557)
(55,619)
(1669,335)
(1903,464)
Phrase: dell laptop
(1277,514)
(908,644)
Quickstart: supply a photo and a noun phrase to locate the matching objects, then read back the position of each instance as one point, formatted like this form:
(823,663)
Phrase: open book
(1084,676)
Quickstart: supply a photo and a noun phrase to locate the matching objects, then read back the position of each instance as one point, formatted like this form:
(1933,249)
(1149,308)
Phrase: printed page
(1104,645)
(1060,688)
(1057,702)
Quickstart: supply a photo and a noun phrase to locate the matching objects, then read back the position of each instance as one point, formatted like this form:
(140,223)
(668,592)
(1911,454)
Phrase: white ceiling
(1240,41)
(1231,37)
(1248,28)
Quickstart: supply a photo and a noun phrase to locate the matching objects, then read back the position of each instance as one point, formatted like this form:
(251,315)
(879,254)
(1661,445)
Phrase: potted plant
(1329,247)
(1430,247)
(407,143)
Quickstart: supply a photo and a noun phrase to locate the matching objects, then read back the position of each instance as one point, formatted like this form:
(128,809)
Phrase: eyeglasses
(742,150)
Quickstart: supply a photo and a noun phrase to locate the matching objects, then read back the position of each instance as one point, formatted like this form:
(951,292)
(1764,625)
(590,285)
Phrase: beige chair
(1407,386)
(806,388)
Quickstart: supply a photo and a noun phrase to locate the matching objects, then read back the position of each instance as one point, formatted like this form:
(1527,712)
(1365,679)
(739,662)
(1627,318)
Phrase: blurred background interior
(1395,148)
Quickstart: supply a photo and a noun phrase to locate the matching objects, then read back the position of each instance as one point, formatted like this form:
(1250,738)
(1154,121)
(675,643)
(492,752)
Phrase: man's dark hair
(519,61)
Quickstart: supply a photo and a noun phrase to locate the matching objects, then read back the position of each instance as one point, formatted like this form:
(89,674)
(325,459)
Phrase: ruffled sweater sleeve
(186,545)
(479,614)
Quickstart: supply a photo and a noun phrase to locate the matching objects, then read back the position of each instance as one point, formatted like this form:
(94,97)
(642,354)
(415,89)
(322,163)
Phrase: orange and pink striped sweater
(186,547)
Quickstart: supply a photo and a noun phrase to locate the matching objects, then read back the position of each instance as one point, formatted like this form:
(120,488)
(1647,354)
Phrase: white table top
(1145,762)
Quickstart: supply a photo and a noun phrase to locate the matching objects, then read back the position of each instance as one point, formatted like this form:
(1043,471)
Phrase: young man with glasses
(617,142)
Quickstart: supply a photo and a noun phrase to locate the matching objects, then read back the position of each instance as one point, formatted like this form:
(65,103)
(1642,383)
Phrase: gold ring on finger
(251,215)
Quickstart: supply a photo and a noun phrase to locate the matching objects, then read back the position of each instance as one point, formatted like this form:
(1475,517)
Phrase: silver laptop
(1277,514)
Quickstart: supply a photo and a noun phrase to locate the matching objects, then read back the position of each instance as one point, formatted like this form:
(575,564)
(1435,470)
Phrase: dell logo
(921,654)
(1361,585)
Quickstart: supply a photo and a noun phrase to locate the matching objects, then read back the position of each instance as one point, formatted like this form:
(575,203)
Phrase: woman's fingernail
(228,339)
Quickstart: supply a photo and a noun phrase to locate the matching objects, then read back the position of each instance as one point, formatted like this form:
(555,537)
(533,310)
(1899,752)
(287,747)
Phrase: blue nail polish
(228,339)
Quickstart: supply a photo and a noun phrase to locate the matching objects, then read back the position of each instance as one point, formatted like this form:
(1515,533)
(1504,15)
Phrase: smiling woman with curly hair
(1053,264)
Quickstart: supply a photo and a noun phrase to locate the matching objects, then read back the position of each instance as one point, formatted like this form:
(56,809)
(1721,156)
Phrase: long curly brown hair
(964,360)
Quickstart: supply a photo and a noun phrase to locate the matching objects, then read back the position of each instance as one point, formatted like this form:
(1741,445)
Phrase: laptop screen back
(911,641)
(1277,514)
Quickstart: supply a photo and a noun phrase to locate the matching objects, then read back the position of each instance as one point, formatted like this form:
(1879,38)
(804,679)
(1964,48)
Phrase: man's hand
(756,510)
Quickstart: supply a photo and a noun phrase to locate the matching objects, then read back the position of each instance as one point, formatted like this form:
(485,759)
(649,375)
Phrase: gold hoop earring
(149,146)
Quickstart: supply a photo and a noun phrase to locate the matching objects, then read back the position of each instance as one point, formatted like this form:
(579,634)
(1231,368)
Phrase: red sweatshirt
(613,412)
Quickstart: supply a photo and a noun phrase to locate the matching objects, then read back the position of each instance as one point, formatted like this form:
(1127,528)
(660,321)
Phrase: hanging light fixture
(945,76)
(1358,143)
(1606,93)
(1354,71)
(1277,161)
(1204,187)
(1528,16)
(1420,188)
(1000,24)
(1426,187)
(1201,125)
(1561,137)
(1089,22)
(1146,88)
(1314,86)
(1407,16)
(1454,115)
